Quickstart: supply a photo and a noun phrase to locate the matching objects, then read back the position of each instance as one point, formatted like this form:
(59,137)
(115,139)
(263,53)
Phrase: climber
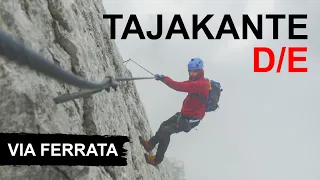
(192,111)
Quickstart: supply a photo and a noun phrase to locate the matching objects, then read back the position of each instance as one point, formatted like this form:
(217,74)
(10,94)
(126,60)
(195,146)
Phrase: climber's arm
(185,86)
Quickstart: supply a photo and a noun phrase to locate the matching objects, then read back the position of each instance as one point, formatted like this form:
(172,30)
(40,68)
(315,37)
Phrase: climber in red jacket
(192,111)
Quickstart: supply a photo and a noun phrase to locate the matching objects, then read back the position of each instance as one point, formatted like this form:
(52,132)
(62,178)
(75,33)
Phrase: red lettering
(256,64)
(292,59)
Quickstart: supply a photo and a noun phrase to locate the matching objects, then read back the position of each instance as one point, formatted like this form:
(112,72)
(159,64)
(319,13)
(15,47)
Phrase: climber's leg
(183,124)
(164,140)
(153,141)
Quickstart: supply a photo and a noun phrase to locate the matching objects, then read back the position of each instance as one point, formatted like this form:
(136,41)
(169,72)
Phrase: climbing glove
(159,77)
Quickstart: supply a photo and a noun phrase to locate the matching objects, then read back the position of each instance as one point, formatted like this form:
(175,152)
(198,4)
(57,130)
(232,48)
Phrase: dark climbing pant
(175,124)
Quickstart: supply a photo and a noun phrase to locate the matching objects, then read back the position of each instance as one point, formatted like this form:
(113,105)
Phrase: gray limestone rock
(73,35)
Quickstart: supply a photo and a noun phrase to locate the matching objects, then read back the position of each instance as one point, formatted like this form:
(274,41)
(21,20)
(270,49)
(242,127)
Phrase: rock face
(73,35)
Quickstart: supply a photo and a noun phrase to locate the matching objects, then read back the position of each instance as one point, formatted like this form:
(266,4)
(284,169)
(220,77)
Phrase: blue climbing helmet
(195,64)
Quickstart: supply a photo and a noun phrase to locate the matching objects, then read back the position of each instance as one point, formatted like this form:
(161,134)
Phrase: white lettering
(113,151)
(79,148)
(92,149)
(29,150)
(43,148)
(21,149)
(67,149)
(101,147)
(13,152)
(54,149)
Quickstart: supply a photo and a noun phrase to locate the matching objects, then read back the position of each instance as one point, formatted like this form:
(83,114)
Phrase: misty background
(267,127)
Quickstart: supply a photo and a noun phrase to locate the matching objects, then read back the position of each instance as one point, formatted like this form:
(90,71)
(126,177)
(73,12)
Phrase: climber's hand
(159,77)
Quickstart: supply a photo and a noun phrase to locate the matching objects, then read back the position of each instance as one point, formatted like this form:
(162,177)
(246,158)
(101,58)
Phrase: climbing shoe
(151,159)
(145,144)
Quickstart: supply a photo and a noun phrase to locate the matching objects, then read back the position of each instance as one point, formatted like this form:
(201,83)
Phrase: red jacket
(192,105)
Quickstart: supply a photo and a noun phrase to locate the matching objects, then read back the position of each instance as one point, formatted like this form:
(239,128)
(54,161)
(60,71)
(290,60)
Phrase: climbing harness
(16,51)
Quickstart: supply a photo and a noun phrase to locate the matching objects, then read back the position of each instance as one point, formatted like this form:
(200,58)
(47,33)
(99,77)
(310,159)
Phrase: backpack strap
(202,98)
